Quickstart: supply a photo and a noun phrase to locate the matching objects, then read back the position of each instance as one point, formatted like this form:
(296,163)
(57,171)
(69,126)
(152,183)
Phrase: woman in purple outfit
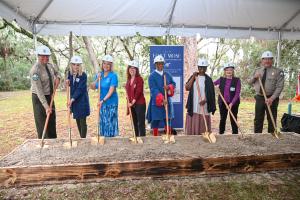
(230,88)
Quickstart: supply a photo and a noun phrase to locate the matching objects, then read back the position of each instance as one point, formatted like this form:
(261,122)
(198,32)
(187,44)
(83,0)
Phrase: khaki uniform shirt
(40,84)
(274,81)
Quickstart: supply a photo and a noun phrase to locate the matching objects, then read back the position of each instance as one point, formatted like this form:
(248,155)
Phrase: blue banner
(173,55)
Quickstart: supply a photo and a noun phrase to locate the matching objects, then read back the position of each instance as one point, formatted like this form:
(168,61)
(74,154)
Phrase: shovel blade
(206,137)
(140,140)
(277,134)
(212,137)
(68,145)
(45,146)
(168,139)
(133,140)
(95,141)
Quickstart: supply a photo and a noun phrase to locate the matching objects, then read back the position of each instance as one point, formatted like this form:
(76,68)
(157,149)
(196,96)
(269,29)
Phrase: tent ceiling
(262,19)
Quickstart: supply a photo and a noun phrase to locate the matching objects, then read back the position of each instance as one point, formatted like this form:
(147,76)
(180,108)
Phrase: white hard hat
(267,54)
(108,58)
(229,65)
(43,50)
(133,63)
(76,60)
(202,62)
(159,58)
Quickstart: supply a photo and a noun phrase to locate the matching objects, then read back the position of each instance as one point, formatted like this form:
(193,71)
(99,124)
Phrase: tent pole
(278,49)
(34,36)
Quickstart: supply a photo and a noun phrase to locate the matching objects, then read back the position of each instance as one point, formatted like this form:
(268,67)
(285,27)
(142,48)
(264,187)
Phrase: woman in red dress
(137,103)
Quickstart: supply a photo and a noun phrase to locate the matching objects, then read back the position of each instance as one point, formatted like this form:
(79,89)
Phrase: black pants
(40,116)
(138,115)
(82,127)
(260,109)
(223,117)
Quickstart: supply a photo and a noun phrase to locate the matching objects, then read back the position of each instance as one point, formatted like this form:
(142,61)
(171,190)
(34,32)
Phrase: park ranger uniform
(273,81)
(42,87)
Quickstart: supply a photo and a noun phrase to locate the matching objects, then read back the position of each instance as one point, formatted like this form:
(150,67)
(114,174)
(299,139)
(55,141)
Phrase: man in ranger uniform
(273,81)
(44,79)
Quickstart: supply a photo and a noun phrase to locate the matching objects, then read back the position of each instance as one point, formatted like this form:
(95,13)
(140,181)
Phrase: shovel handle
(131,119)
(98,111)
(202,106)
(166,107)
(69,113)
(230,112)
(268,106)
(47,118)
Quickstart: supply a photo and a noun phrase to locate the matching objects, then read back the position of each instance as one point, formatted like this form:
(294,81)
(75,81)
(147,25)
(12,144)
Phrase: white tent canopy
(263,19)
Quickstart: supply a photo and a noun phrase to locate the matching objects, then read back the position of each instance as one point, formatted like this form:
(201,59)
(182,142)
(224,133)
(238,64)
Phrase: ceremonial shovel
(100,139)
(168,138)
(276,133)
(207,136)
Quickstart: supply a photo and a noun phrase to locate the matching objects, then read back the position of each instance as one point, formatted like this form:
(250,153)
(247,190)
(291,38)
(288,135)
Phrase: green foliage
(16,62)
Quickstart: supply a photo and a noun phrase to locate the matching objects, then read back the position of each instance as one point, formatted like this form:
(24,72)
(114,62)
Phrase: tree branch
(30,35)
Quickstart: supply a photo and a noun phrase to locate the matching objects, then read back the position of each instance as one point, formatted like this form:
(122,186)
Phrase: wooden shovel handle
(230,112)
(47,118)
(268,106)
(98,110)
(166,106)
(131,119)
(69,112)
(202,106)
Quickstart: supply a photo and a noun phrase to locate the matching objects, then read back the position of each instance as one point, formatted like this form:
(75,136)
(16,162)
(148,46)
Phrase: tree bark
(91,53)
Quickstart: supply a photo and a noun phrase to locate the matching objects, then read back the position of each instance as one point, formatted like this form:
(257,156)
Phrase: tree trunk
(190,59)
(91,53)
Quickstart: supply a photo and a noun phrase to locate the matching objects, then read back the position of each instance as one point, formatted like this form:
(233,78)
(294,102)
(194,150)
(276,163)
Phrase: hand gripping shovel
(100,139)
(134,139)
(168,138)
(230,112)
(276,133)
(47,120)
(207,136)
(69,144)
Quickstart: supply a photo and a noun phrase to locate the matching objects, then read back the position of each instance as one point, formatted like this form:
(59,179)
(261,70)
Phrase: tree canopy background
(17,55)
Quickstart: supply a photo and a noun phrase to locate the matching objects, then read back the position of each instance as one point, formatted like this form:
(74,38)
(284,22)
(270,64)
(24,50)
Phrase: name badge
(232,89)
(77,80)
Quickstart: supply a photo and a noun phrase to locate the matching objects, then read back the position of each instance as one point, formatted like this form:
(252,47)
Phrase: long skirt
(195,125)
(109,121)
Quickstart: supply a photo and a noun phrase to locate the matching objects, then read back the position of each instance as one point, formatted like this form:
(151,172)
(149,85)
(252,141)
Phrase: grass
(17,125)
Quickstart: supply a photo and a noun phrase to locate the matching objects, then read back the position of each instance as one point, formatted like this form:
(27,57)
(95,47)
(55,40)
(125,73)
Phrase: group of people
(200,104)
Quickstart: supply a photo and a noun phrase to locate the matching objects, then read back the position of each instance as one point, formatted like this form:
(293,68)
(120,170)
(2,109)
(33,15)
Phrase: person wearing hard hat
(79,103)
(156,111)
(108,98)
(45,79)
(230,88)
(135,92)
(273,82)
(194,124)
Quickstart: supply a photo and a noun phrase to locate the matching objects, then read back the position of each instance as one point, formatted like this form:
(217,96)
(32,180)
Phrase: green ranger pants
(39,113)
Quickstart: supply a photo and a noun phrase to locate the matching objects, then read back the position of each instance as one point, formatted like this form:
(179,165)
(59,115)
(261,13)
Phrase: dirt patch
(122,150)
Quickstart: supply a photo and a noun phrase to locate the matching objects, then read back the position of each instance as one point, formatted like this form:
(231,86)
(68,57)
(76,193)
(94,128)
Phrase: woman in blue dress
(79,102)
(108,98)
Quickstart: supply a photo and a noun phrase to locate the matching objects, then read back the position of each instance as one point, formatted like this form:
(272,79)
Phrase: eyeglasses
(75,64)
